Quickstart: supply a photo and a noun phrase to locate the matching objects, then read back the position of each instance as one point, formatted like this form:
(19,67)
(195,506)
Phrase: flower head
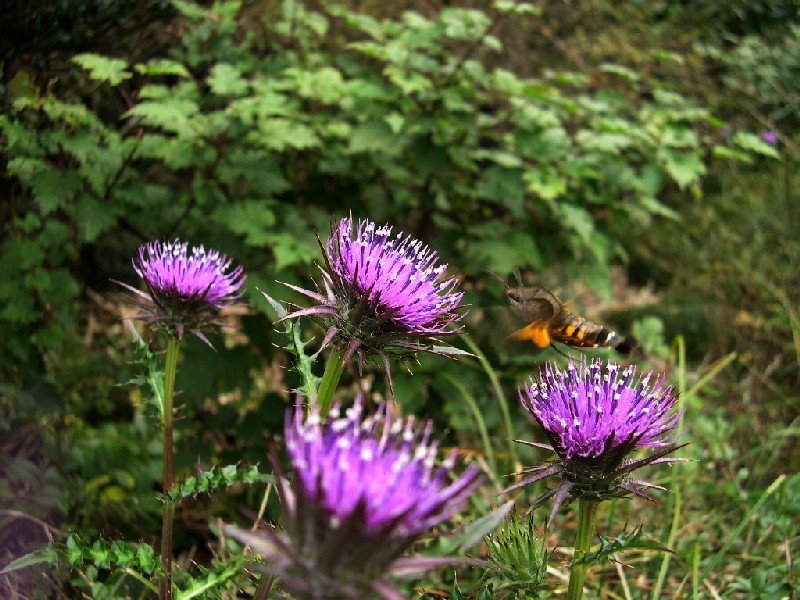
(185,290)
(383,292)
(595,415)
(770,137)
(364,489)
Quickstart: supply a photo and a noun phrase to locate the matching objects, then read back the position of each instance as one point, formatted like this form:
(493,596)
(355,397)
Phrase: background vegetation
(611,150)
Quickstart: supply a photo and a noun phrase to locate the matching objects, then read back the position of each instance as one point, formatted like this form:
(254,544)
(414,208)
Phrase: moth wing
(538,310)
(536,332)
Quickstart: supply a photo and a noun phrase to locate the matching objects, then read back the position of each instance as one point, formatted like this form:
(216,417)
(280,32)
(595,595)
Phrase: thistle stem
(170,369)
(264,587)
(330,379)
(587,511)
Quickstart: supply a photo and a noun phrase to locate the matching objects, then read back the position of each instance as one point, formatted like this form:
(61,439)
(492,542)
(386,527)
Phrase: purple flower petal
(590,410)
(399,275)
(363,489)
(595,415)
(185,289)
(383,294)
(383,464)
(171,271)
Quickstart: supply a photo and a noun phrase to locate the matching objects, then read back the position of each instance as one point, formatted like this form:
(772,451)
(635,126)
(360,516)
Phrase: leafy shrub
(247,141)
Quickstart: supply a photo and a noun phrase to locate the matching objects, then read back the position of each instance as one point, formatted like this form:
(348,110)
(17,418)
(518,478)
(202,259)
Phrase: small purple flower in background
(364,489)
(383,293)
(186,290)
(770,137)
(594,416)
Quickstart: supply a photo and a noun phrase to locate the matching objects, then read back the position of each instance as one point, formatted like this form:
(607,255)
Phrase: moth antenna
(496,276)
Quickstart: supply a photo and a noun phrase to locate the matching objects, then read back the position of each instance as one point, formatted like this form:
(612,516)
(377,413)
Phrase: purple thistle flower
(364,490)
(185,290)
(383,293)
(594,416)
(770,137)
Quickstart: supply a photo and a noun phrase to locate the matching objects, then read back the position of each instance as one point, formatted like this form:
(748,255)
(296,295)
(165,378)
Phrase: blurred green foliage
(249,141)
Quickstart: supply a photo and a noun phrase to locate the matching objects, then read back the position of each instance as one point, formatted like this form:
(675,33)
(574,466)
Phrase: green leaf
(612,143)
(449,351)
(289,250)
(192,10)
(162,66)
(100,554)
(47,554)
(280,134)
(74,550)
(575,218)
(634,540)
(362,22)
(155,91)
(649,331)
(754,143)
(146,556)
(375,136)
(252,219)
(680,137)
(218,478)
(464,23)
(455,593)
(53,189)
(545,182)
(502,158)
(732,154)
(101,68)
(505,252)
(324,85)
(620,70)
(474,532)
(652,205)
(76,115)
(226,80)
(22,86)
(211,581)
(668,98)
(541,136)
(170,114)
(409,82)
(254,172)
(113,494)
(684,168)
(94,217)
(123,554)
(649,180)
(516,7)
(503,186)
(176,153)
(279,308)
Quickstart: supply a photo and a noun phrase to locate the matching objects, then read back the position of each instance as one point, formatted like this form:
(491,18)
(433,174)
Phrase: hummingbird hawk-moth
(548,321)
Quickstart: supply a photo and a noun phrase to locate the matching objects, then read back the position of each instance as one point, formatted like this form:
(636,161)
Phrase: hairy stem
(587,511)
(264,587)
(170,369)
